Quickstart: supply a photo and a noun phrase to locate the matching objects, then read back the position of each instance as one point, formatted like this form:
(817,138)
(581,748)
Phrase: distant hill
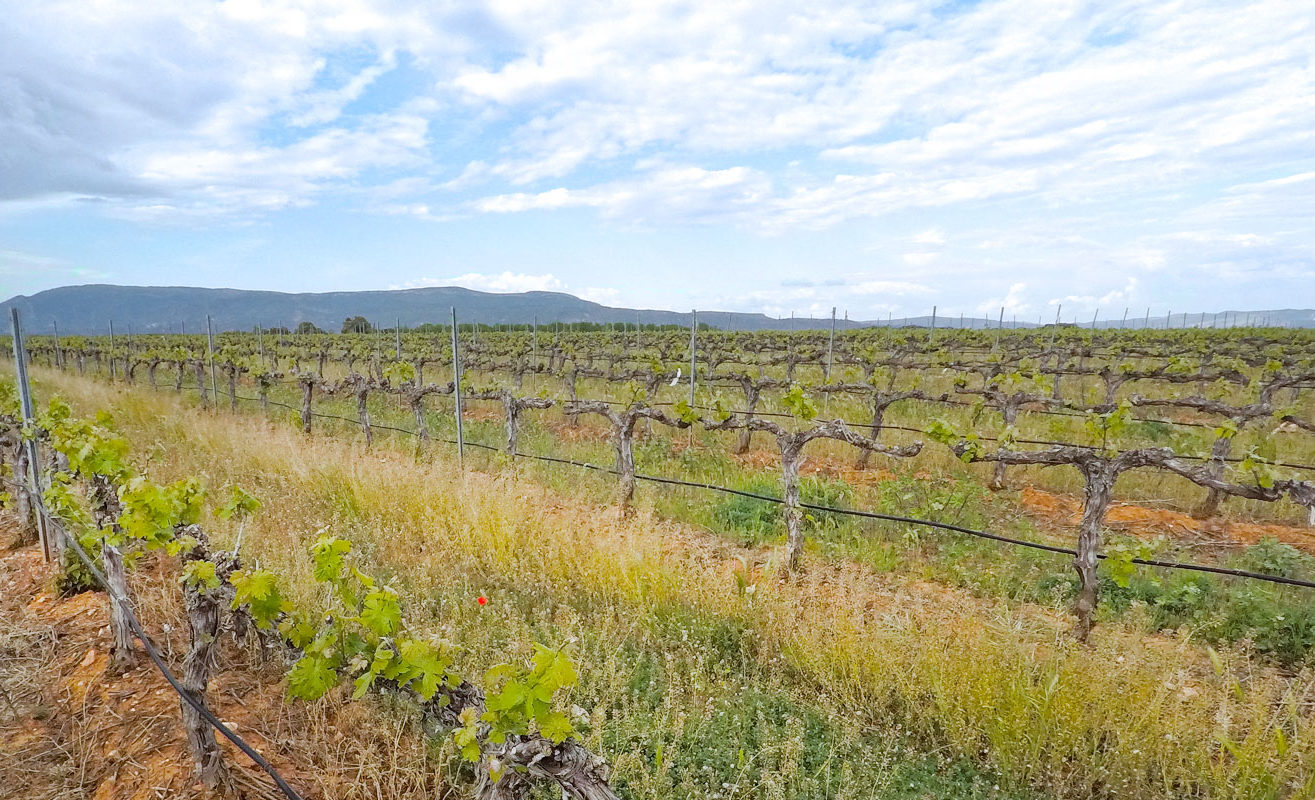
(87,310)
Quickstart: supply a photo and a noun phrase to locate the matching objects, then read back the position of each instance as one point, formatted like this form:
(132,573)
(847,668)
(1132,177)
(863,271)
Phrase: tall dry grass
(885,670)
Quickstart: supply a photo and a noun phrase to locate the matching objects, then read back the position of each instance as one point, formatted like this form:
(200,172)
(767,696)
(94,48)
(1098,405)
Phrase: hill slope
(157,309)
(87,310)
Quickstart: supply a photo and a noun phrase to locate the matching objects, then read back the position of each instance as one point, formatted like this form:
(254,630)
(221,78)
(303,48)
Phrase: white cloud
(1126,139)
(326,106)
(1014,302)
(21,272)
(932,237)
(1108,300)
(664,193)
(493,282)
(861,295)
(599,294)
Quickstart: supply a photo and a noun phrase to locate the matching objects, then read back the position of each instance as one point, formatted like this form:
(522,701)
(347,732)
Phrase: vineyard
(1069,562)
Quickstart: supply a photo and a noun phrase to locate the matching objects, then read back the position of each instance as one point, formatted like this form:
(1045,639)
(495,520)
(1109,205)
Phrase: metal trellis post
(30,444)
(456,392)
(113,377)
(210,348)
(693,344)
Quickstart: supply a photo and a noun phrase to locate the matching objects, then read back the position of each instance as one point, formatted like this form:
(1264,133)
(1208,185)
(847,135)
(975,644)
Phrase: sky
(879,157)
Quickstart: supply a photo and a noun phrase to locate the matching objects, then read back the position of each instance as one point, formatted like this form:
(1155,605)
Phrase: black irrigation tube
(1188,456)
(948,401)
(1046,442)
(860,425)
(865,514)
(940,400)
(995,537)
(155,656)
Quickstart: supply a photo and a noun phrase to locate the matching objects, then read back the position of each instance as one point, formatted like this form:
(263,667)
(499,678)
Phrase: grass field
(703,674)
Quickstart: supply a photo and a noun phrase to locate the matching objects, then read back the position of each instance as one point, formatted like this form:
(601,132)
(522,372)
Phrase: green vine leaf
(311,678)
(258,591)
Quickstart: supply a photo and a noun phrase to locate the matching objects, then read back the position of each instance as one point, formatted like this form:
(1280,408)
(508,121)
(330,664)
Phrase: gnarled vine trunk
(28,531)
(1219,451)
(794,522)
(202,605)
(123,656)
(307,392)
(199,367)
(1100,478)
(363,412)
(105,513)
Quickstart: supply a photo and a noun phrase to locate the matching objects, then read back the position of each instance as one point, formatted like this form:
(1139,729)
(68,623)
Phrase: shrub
(760,520)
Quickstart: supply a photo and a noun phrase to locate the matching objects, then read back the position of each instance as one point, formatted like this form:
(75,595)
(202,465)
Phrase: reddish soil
(1150,522)
(69,728)
(1067,510)
(586,430)
(482,413)
(840,469)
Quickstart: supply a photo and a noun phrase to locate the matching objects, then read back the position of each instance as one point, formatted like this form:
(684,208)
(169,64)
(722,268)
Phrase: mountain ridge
(88,309)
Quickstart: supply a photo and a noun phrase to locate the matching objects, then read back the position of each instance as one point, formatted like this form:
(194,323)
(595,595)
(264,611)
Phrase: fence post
(456,392)
(830,350)
(25,404)
(693,362)
(112,376)
(831,345)
(59,351)
(210,347)
(397,333)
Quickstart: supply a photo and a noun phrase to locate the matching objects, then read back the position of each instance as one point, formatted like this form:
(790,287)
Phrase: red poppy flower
(482,600)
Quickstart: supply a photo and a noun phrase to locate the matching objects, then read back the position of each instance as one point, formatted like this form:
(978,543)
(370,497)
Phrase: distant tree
(357,324)
(308,327)
(279,330)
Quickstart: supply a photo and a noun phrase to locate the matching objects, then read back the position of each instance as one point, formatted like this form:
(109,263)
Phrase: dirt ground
(70,729)
(1066,510)
(1151,522)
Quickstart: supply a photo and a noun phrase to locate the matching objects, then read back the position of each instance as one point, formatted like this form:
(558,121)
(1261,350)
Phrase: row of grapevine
(105,514)
(1257,476)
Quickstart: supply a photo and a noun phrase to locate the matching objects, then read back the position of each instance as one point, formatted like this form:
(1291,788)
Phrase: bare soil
(69,728)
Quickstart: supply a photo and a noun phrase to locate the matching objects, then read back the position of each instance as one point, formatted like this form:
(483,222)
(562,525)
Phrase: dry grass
(931,669)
